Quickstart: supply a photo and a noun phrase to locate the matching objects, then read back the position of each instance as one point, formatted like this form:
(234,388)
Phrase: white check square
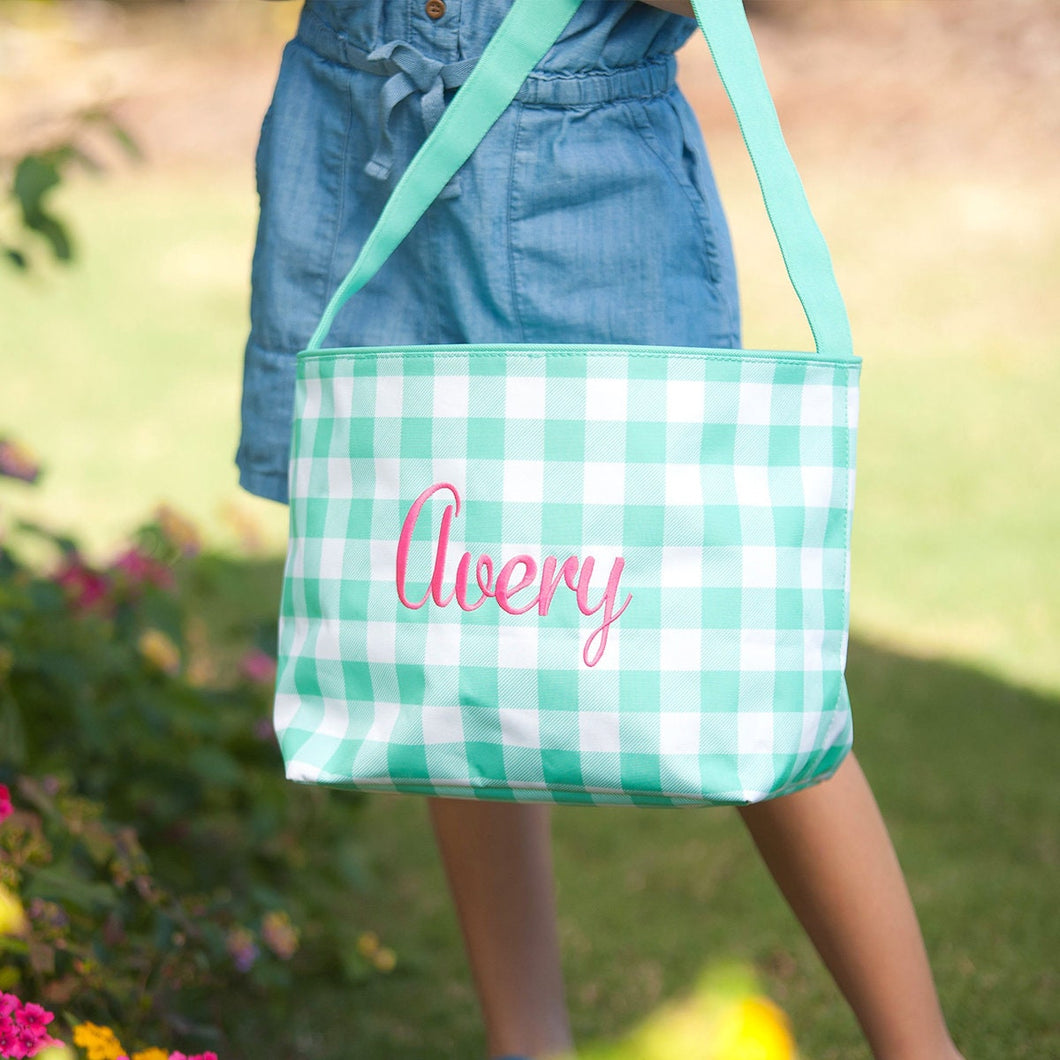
(752,485)
(519,727)
(758,650)
(517,643)
(342,397)
(811,563)
(754,732)
(451,396)
(524,398)
(599,731)
(604,483)
(605,399)
(384,718)
(684,484)
(756,404)
(759,567)
(682,567)
(327,643)
(679,733)
(340,477)
(389,396)
(442,725)
(685,400)
(442,647)
(524,480)
(679,649)
(335,721)
(381,642)
(817,487)
(817,405)
(387,478)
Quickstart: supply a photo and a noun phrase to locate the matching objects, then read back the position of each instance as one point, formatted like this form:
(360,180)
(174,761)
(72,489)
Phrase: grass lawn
(123,374)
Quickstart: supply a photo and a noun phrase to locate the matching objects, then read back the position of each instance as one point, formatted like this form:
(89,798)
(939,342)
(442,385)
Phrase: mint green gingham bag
(469,611)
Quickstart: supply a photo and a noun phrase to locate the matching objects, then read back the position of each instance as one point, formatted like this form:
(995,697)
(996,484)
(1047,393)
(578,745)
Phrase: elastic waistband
(653,77)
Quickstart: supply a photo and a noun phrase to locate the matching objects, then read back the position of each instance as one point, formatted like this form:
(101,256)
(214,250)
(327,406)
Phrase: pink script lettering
(518,577)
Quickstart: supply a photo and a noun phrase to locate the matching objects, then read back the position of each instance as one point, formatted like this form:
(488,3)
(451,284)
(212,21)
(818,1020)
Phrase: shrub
(162,859)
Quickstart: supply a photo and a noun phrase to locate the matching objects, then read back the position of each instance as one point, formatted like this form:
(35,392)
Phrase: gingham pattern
(723,478)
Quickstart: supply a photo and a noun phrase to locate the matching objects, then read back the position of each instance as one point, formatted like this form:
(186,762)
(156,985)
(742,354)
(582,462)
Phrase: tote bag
(653,612)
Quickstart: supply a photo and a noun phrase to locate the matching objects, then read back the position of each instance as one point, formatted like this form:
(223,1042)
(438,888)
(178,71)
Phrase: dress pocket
(670,133)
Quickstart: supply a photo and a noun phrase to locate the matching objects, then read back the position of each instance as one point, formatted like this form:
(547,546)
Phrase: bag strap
(528,31)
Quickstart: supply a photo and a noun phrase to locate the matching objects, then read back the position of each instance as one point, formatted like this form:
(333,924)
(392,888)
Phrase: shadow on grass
(963,765)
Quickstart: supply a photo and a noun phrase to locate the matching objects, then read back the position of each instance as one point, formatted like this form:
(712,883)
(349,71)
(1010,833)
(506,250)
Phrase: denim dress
(588,214)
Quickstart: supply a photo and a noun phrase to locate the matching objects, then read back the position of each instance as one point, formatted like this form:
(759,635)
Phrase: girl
(588,211)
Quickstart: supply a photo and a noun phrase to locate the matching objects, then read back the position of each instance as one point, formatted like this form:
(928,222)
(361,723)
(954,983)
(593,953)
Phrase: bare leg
(498,862)
(828,849)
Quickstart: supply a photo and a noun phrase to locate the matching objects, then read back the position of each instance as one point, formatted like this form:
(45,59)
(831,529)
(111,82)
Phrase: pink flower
(258,666)
(22,1031)
(34,1015)
(142,569)
(84,586)
(6,810)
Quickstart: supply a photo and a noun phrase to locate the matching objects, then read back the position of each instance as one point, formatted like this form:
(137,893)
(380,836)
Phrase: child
(589,212)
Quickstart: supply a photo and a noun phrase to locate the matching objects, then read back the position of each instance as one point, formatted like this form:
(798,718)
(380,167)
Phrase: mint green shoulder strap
(526,34)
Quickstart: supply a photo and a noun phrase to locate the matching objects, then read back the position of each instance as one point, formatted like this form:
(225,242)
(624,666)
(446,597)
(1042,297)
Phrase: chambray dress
(588,214)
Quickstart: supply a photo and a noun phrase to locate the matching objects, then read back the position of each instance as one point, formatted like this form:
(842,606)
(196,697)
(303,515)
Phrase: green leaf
(35,176)
(12,732)
(125,140)
(215,766)
(54,231)
(16,257)
(56,885)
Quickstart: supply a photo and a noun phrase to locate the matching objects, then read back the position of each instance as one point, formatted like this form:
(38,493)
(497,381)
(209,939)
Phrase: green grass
(123,373)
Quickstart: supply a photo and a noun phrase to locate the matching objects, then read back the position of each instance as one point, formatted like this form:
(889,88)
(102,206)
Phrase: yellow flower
(153,1053)
(280,935)
(12,915)
(159,650)
(385,959)
(58,1051)
(725,1018)
(101,1043)
(179,531)
(753,1029)
(368,944)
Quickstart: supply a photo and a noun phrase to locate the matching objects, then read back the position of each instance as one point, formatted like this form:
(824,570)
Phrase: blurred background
(928,136)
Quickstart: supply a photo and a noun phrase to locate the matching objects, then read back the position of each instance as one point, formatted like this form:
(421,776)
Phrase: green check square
(642,524)
(416,434)
(785,446)
(411,682)
(645,442)
(639,690)
(561,529)
(562,768)
(564,440)
(485,436)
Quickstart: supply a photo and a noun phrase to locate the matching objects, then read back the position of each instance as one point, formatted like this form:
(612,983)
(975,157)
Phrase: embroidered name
(516,577)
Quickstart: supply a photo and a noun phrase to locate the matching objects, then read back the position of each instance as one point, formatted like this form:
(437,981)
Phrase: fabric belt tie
(408,71)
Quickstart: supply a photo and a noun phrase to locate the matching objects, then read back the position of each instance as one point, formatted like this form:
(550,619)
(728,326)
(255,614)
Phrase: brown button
(435,9)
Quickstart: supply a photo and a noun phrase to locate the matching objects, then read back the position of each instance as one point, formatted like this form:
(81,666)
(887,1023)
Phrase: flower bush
(154,863)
